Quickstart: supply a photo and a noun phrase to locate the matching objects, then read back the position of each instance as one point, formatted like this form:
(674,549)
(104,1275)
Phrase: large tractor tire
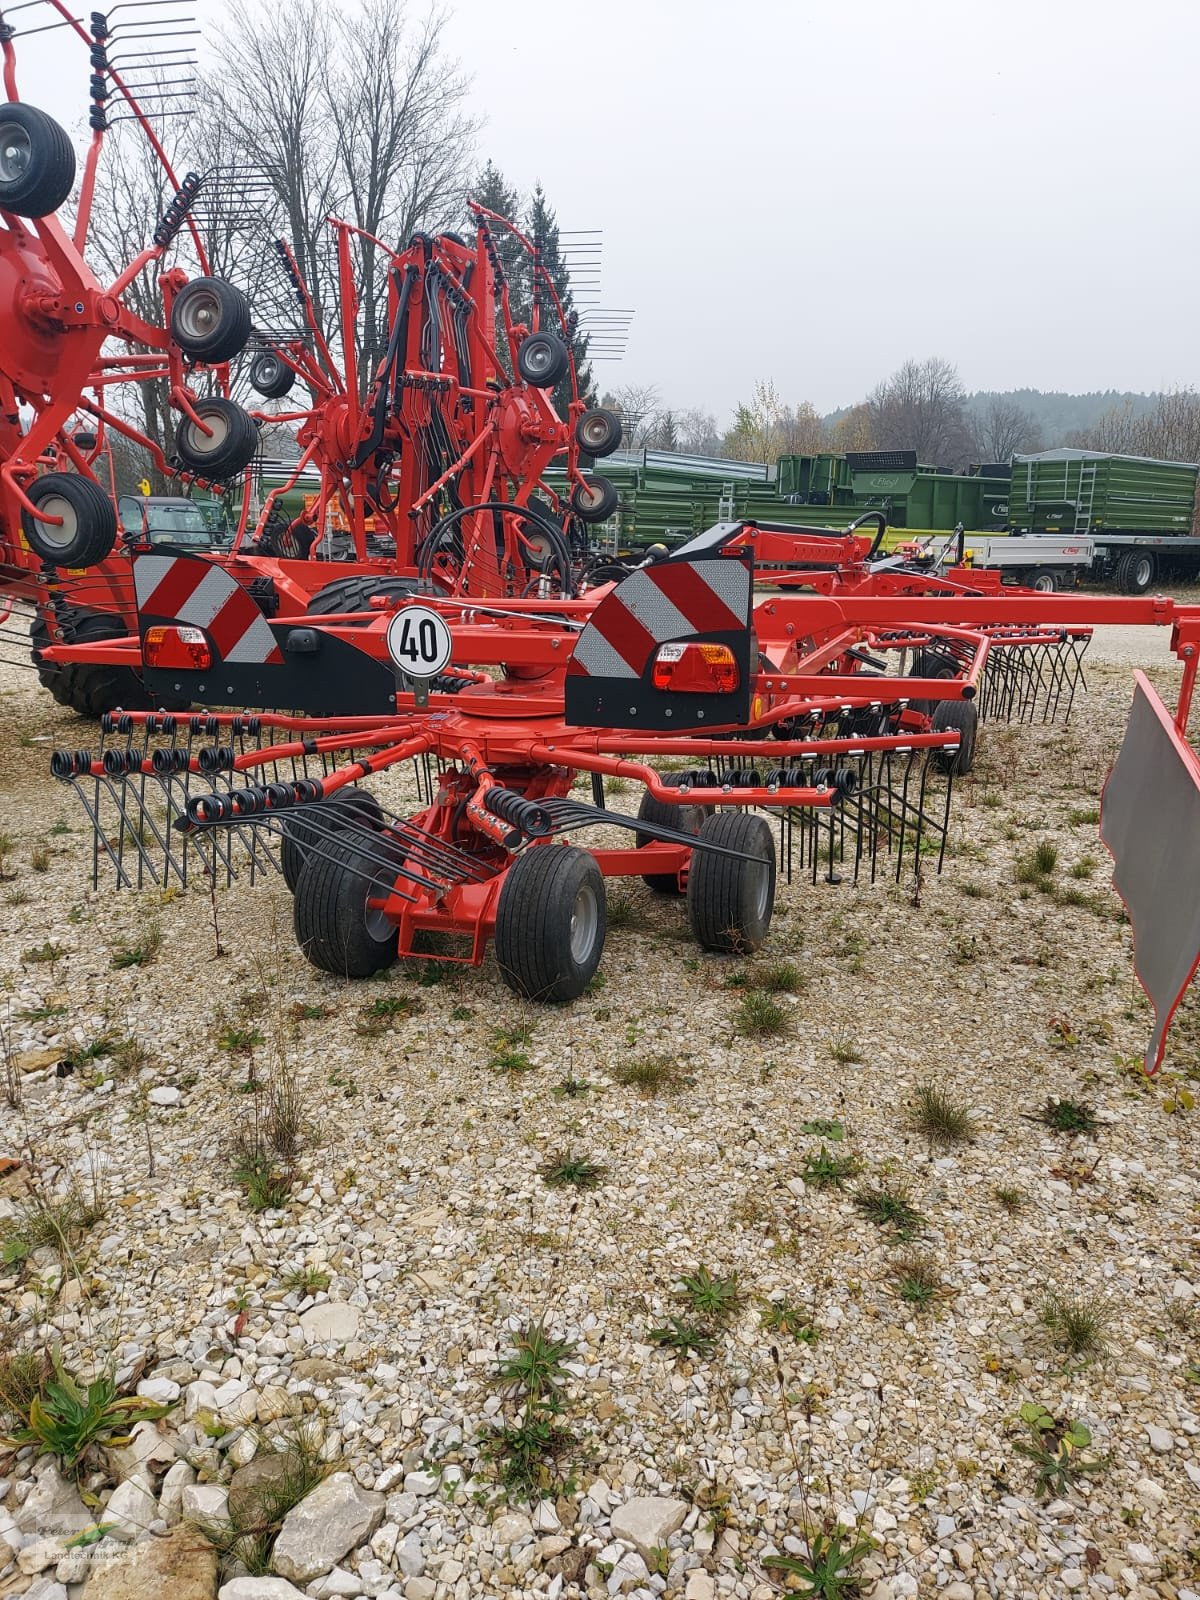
(90,688)
(344,595)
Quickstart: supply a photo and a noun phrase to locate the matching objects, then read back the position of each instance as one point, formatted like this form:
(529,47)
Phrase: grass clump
(1078,1324)
(889,1208)
(776,978)
(1009,1197)
(1084,867)
(940,1119)
(73,1420)
(844,1050)
(651,1075)
(684,1337)
(714,1298)
(24,1375)
(1056,1449)
(44,1222)
(247,1536)
(141,953)
(916,1278)
(760,1016)
(1068,1116)
(1084,818)
(306,1279)
(1037,865)
(788,1321)
(624,910)
(572,1172)
(828,1169)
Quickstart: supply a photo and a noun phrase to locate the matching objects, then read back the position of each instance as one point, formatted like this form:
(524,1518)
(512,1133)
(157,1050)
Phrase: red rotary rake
(435,470)
(59,326)
(441,463)
(845,713)
(846,717)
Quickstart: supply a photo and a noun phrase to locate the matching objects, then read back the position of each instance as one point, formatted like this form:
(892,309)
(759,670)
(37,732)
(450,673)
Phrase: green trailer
(913,495)
(1141,513)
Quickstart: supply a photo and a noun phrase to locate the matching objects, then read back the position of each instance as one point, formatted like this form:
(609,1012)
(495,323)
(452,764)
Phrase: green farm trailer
(1140,513)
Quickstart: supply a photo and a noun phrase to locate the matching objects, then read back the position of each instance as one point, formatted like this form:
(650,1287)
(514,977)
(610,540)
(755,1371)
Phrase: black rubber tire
(596,500)
(345,808)
(729,900)
(271,376)
(687,819)
(1136,571)
(932,664)
(543,360)
(962,715)
(536,948)
(228,450)
(1043,582)
(210,320)
(89,530)
(92,689)
(329,914)
(598,433)
(354,594)
(47,176)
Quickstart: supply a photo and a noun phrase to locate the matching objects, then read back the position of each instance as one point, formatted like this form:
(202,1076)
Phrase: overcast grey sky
(812,192)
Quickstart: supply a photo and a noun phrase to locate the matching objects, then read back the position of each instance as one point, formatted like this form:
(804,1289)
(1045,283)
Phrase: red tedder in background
(68,340)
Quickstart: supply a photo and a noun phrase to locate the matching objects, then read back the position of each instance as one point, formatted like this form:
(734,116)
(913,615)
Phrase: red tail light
(695,669)
(177,646)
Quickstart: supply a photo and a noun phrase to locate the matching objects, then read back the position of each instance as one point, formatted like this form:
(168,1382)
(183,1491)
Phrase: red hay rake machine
(847,718)
(68,340)
(433,467)
(440,465)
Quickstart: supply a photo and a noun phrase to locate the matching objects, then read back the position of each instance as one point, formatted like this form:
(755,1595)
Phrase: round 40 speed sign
(419,642)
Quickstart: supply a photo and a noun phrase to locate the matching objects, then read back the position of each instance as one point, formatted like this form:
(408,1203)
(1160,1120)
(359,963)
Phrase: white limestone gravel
(418,1193)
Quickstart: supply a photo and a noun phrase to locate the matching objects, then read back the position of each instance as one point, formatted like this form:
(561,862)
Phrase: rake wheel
(730,898)
(37,162)
(336,927)
(300,833)
(551,922)
(687,819)
(87,530)
(963,717)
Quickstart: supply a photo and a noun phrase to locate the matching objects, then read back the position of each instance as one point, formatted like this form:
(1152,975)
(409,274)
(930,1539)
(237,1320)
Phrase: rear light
(695,669)
(177,647)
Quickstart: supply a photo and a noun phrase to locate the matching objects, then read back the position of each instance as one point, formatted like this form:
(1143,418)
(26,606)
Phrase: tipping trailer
(1043,562)
(1140,513)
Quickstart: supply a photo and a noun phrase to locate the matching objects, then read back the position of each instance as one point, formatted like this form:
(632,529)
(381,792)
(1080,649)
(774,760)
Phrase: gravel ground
(419,1192)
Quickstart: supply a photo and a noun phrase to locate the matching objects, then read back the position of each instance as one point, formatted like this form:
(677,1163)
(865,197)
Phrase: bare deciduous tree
(921,407)
(1002,429)
(698,433)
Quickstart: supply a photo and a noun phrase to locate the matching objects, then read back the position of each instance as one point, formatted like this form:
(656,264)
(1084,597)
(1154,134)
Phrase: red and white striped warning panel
(1150,820)
(189,590)
(658,604)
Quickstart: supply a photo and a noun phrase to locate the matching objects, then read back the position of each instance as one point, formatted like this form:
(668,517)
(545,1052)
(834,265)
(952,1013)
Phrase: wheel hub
(585,918)
(15,153)
(55,505)
(200,314)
